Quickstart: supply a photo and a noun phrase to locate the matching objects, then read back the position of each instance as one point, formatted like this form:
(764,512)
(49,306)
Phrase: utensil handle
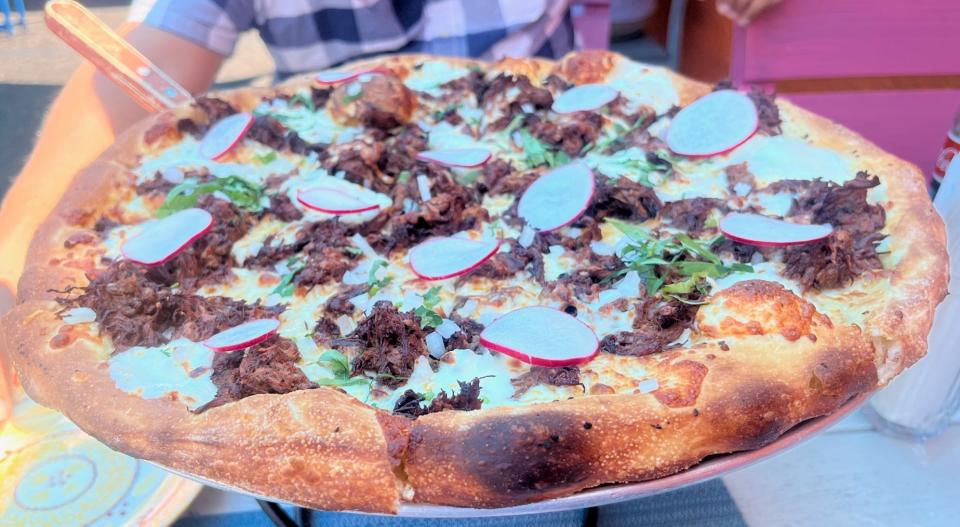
(115,57)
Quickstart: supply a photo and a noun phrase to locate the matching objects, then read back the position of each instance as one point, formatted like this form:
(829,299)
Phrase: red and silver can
(951,147)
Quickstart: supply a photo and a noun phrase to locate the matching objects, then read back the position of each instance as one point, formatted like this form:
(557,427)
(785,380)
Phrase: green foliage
(286,287)
(185,195)
(429,317)
(677,266)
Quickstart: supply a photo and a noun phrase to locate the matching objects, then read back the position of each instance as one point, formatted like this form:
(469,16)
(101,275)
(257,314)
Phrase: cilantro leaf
(429,317)
(304,99)
(266,159)
(286,287)
(376,284)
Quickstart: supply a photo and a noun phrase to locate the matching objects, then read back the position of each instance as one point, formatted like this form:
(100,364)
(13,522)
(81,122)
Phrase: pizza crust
(323,449)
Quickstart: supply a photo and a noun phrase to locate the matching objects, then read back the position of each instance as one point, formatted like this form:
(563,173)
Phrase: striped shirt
(309,35)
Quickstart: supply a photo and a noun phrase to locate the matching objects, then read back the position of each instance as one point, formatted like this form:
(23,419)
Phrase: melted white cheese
(179,369)
(772,159)
(432,74)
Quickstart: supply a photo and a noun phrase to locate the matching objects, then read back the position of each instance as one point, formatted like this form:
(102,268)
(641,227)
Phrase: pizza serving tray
(607,495)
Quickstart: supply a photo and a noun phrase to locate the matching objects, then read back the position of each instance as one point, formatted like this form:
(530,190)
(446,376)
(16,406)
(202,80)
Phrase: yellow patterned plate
(51,473)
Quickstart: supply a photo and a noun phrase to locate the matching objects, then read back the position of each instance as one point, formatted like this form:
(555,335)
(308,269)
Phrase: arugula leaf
(266,159)
(514,123)
(536,153)
(372,280)
(404,177)
(185,195)
(678,266)
(429,317)
(305,99)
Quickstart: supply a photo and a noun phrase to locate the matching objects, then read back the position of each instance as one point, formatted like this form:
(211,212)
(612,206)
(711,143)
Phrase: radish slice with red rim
(165,238)
(442,258)
(225,134)
(557,198)
(333,201)
(584,98)
(337,77)
(542,336)
(244,335)
(456,157)
(764,231)
(713,124)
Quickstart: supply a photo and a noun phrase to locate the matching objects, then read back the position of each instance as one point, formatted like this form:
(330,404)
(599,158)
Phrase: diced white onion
(574,232)
(527,107)
(172,175)
(354,89)
(757,258)
(307,346)
(517,138)
(346,325)
(361,301)
(423,185)
(340,174)
(435,345)
(602,249)
(556,250)
(359,274)
(608,295)
(526,236)
(741,189)
(468,308)
(447,328)
(648,385)
(411,300)
(282,267)
(273,299)
(629,286)
(79,315)
(364,247)
(409,205)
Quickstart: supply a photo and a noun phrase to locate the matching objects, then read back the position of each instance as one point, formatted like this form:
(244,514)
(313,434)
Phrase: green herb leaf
(404,177)
(286,287)
(185,195)
(266,159)
(429,317)
(372,280)
(337,362)
(304,99)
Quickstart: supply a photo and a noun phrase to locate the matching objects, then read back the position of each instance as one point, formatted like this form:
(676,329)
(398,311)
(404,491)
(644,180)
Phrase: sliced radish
(713,124)
(456,157)
(542,336)
(166,237)
(244,335)
(584,97)
(557,198)
(225,134)
(337,77)
(442,258)
(333,201)
(764,231)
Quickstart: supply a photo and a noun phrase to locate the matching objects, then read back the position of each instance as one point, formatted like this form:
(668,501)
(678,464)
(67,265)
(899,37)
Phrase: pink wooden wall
(902,47)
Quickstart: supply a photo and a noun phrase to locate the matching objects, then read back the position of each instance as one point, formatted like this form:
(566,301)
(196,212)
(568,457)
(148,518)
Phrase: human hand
(744,11)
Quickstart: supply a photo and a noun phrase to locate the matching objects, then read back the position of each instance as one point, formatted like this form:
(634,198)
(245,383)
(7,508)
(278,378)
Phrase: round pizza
(420,279)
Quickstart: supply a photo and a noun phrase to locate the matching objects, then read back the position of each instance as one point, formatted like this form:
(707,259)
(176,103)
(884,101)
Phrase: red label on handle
(950,148)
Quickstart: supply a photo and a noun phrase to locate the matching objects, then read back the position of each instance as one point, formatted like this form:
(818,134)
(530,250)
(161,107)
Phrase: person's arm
(82,122)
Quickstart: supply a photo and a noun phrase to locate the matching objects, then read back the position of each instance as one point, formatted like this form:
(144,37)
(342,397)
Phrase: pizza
(419,279)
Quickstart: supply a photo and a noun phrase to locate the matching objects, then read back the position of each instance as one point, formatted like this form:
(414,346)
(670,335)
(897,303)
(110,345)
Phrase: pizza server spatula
(113,56)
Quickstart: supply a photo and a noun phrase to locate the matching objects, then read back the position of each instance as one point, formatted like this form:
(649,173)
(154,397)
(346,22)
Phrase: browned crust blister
(324,449)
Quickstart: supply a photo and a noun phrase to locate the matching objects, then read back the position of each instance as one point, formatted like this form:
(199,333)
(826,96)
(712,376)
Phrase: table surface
(848,475)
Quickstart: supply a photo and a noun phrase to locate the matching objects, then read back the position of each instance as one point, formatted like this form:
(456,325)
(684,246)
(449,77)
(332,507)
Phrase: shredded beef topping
(526,93)
(625,199)
(740,181)
(339,304)
(570,135)
(451,209)
(499,177)
(468,337)
(134,309)
(359,161)
(402,150)
(506,264)
(284,209)
(410,402)
(388,343)
(852,248)
(562,376)
(268,367)
(691,214)
(657,323)
(324,248)
(767,111)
